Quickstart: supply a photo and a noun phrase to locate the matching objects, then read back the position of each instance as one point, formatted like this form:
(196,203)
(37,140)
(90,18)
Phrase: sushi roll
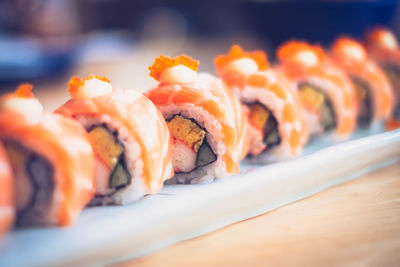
(373,90)
(51,158)
(206,121)
(7,206)
(384,49)
(129,136)
(326,93)
(276,128)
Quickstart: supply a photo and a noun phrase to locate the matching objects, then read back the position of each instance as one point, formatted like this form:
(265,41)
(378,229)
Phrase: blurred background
(47,41)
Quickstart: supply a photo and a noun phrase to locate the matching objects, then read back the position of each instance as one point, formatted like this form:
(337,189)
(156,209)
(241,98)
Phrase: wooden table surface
(353,224)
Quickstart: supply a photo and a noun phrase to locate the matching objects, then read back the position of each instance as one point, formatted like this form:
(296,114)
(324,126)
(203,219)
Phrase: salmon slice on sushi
(326,93)
(384,49)
(373,90)
(205,120)
(51,158)
(7,203)
(276,128)
(129,136)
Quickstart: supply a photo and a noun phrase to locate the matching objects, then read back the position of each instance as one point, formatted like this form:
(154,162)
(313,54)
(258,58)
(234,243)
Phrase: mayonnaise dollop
(389,41)
(243,65)
(30,107)
(307,58)
(91,88)
(355,52)
(178,74)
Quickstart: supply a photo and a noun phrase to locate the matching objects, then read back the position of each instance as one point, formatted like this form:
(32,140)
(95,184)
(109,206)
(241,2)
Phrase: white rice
(278,152)
(334,96)
(47,213)
(206,173)
(132,152)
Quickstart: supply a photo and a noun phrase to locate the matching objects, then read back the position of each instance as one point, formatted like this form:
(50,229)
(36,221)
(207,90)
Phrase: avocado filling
(363,93)
(263,119)
(393,73)
(110,153)
(316,101)
(34,179)
(119,177)
(205,155)
(191,149)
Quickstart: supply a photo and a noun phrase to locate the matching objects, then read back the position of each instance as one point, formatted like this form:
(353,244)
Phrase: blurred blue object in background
(23,59)
(42,38)
(37,39)
(320,21)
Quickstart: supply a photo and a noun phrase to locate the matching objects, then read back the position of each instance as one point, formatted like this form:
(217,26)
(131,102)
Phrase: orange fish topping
(289,50)
(392,125)
(163,62)
(237,52)
(76,82)
(23,90)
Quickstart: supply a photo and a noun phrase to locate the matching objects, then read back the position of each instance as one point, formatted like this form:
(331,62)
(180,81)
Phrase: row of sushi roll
(108,146)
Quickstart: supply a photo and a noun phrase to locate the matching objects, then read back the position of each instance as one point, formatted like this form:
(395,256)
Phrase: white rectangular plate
(104,235)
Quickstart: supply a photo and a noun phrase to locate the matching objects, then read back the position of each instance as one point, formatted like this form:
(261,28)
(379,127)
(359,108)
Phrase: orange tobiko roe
(75,82)
(23,90)
(163,62)
(237,52)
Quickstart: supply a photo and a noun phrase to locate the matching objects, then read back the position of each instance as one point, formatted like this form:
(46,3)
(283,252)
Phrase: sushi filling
(263,120)
(393,73)
(190,148)
(317,102)
(112,173)
(363,93)
(34,178)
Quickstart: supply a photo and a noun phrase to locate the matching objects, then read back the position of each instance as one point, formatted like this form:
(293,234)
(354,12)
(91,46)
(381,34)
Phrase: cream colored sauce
(92,88)
(244,65)
(178,74)
(307,58)
(389,41)
(30,107)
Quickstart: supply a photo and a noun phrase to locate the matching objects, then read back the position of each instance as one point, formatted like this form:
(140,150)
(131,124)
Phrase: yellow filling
(187,131)
(311,98)
(105,145)
(258,116)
